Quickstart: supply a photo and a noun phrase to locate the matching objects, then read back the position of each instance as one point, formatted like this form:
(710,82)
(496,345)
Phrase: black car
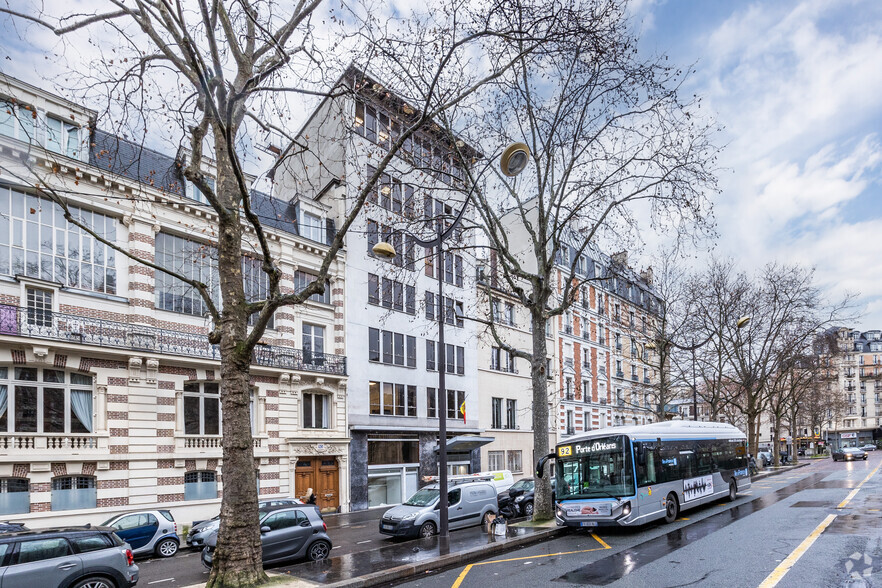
(10,527)
(518,499)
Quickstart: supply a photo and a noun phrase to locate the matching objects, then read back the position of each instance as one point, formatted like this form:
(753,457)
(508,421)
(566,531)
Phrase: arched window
(15,496)
(74,492)
(200,485)
(42,400)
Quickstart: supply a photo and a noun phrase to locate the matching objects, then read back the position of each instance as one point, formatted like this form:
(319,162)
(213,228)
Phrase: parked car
(201,530)
(868,447)
(469,503)
(765,458)
(849,454)
(9,527)
(147,531)
(76,557)
(518,500)
(291,532)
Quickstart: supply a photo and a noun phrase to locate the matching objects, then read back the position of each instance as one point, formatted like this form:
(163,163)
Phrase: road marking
(337,547)
(683,519)
(362,542)
(779,572)
(469,567)
(160,581)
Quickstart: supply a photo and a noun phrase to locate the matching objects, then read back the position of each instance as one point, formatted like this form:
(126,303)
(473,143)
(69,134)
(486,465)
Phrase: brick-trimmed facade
(138,451)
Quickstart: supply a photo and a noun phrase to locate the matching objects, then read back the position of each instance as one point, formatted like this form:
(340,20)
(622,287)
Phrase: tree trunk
(238,559)
(776,447)
(752,440)
(543,509)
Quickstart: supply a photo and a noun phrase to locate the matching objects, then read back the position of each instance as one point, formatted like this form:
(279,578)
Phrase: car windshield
(525,485)
(424,497)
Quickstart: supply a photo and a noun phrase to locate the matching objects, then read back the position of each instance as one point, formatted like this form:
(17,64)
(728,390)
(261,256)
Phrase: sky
(797,86)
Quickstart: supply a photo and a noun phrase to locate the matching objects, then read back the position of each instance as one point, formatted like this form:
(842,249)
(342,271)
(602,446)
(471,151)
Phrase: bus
(631,475)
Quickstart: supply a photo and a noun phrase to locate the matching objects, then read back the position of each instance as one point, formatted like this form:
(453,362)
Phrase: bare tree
(214,71)
(608,137)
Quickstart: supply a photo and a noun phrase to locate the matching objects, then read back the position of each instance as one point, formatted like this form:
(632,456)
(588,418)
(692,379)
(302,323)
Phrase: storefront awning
(466,443)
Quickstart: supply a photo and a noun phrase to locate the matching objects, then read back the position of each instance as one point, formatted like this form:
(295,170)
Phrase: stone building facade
(109,389)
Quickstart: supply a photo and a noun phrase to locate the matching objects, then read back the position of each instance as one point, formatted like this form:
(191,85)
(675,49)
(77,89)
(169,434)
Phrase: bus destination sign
(589,447)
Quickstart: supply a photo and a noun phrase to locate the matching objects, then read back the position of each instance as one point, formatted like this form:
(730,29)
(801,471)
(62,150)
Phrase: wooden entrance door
(323,476)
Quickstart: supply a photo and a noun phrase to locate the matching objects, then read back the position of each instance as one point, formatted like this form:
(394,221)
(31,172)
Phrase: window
(38,400)
(496,419)
(455,401)
(256,283)
(17,120)
(501,360)
(284,520)
(586,390)
(62,137)
(316,411)
(302,279)
(431,356)
(194,193)
(392,399)
(36,241)
(200,485)
(73,492)
(396,348)
(193,260)
(15,496)
(311,227)
(515,461)
(39,307)
(313,344)
(495,460)
(431,403)
(202,409)
(42,549)
(511,414)
(87,543)
(134,521)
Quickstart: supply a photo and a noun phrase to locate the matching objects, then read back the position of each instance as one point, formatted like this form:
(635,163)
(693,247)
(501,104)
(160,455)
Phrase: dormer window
(194,193)
(62,137)
(311,227)
(17,120)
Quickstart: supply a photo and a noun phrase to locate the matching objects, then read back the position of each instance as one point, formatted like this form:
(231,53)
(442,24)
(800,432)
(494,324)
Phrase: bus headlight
(626,509)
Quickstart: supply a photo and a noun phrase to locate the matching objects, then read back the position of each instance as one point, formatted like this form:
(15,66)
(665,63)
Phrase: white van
(502,480)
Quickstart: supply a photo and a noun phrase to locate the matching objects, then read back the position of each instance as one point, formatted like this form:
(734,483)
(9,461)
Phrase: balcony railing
(24,322)
(73,443)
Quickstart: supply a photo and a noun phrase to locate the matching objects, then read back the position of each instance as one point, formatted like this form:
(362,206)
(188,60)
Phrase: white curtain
(4,400)
(81,403)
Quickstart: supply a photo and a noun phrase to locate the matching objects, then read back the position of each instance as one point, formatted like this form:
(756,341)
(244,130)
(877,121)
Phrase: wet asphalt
(725,544)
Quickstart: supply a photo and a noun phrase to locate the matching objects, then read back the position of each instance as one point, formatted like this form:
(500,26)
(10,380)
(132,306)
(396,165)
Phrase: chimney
(621,258)
(647,275)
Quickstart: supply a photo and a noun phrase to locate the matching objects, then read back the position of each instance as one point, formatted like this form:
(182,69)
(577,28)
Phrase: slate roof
(125,158)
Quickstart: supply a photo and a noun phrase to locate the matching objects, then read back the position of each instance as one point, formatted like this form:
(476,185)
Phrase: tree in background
(609,137)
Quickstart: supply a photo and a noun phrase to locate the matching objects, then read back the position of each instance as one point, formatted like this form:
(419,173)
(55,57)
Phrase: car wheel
(733,491)
(95,582)
(204,558)
(318,551)
(428,529)
(672,508)
(528,509)
(166,548)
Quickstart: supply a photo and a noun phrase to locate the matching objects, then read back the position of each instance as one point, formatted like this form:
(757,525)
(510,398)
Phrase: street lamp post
(739,324)
(513,161)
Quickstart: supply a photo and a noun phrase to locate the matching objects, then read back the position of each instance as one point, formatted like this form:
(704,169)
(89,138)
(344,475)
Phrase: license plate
(388,527)
(588,524)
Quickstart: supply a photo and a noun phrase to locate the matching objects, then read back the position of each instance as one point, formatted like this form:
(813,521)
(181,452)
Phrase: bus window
(646,471)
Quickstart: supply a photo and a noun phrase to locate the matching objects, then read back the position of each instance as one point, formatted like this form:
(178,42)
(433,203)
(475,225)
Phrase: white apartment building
(391,305)
(856,378)
(109,388)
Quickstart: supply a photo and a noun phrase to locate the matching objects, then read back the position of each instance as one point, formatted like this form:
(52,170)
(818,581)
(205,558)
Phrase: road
(819,525)
(357,532)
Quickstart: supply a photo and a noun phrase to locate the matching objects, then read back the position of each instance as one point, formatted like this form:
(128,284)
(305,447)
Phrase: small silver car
(469,504)
(147,531)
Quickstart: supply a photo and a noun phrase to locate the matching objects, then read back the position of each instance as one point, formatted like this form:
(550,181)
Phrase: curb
(763,475)
(446,562)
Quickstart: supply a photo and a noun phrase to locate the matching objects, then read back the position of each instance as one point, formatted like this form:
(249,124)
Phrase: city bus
(631,475)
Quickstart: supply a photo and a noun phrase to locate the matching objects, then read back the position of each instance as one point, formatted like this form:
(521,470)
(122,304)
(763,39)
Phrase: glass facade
(36,241)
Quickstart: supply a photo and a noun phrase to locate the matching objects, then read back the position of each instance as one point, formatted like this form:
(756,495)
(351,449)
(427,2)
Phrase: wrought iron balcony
(57,326)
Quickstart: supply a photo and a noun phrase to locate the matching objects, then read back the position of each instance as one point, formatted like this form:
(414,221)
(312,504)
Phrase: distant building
(856,381)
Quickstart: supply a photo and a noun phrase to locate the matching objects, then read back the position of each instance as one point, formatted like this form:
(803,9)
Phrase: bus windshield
(597,468)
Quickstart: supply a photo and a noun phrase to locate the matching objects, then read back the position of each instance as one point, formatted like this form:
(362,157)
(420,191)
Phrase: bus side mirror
(540,466)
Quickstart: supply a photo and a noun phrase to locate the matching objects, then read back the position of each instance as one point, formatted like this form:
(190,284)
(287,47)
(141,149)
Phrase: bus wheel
(733,491)
(672,508)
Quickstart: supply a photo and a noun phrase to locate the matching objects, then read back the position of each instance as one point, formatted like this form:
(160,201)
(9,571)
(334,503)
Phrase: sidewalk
(393,563)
